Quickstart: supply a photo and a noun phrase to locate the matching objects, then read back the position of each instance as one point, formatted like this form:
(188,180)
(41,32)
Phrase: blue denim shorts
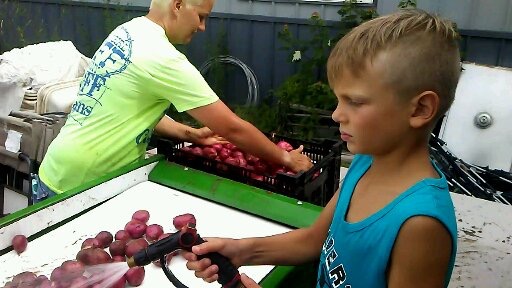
(40,191)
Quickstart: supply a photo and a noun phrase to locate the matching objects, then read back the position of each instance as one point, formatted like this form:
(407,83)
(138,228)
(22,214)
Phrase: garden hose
(252,81)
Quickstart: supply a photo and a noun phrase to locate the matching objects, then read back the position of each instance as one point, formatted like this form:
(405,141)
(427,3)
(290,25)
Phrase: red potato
(57,273)
(79,282)
(217,147)
(237,154)
(19,243)
(242,162)
(135,276)
(186,149)
(23,277)
(182,220)
(27,285)
(118,259)
(117,248)
(141,215)
(91,243)
(122,235)
(72,269)
(42,282)
(232,161)
(210,152)
(251,159)
(135,229)
(120,283)
(224,153)
(230,146)
(10,285)
(104,238)
(260,167)
(45,284)
(135,246)
(41,278)
(93,256)
(154,231)
(285,145)
(197,151)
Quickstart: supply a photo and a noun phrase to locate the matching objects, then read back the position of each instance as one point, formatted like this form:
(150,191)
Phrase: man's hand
(248,282)
(296,161)
(204,136)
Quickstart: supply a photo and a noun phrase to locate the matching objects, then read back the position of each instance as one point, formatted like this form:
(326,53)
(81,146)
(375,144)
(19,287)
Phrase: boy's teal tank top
(355,255)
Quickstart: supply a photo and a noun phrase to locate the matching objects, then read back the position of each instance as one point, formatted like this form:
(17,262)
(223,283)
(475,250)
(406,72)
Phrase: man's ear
(176,5)
(424,109)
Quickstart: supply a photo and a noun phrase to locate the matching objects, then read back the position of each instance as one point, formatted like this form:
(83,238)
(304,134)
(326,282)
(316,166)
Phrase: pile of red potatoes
(104,248)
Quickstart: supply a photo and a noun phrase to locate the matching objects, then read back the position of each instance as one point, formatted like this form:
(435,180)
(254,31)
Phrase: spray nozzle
(185,239)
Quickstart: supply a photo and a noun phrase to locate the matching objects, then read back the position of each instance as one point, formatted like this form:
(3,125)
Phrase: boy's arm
(295,247)
(421,254)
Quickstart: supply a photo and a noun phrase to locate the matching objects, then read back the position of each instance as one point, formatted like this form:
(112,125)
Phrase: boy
(392,224)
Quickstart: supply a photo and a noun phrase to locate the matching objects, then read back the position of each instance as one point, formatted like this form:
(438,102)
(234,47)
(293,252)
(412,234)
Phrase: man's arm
(219,118)
(169,128)
(175,130)
(421,254)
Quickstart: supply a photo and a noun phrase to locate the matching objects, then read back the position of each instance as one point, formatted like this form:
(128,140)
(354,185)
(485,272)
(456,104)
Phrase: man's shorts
(40,191)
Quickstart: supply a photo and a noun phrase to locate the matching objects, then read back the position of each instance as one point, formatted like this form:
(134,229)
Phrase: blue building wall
(251,38)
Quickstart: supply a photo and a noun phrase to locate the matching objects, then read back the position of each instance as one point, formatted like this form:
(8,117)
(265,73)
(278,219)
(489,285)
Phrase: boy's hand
(296,161)
(203,268)
(248,282)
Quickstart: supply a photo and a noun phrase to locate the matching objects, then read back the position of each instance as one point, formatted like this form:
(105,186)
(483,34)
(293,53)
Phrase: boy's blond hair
(424,54)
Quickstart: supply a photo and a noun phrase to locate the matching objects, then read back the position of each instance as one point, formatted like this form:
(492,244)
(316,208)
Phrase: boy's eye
(354,102)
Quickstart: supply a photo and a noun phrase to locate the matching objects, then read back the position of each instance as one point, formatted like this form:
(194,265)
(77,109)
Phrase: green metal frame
(247,198)
(11,218)
(237,195)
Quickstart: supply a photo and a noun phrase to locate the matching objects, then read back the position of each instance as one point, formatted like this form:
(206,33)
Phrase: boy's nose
(202,27)
(338,115)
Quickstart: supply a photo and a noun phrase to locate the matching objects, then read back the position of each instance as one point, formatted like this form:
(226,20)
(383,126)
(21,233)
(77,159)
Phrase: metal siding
(475,46)
(252,39)
(262,56)
(506,55)
(494,15)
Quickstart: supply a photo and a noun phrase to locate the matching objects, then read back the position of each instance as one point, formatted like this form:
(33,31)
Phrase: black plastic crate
(317,185)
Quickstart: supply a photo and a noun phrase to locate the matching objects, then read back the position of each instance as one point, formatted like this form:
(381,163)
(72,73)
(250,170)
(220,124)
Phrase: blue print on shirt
(112,58)
(331,275)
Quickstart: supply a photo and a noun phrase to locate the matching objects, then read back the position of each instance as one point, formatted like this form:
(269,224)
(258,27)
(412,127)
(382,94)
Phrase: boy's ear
(424,109)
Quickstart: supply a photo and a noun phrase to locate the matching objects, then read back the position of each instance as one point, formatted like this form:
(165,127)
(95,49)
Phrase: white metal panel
(213,220)
(481,89)
(54,214)
(484,255)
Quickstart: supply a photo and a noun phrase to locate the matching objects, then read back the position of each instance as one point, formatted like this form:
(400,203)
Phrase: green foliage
(266,116)
(308,86)
(404,4)
(217,72)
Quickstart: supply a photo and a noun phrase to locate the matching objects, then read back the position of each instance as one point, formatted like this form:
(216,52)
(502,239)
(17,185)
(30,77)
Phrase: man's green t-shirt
(135,75)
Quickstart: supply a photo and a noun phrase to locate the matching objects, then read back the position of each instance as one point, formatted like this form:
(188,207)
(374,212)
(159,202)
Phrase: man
(134,76)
